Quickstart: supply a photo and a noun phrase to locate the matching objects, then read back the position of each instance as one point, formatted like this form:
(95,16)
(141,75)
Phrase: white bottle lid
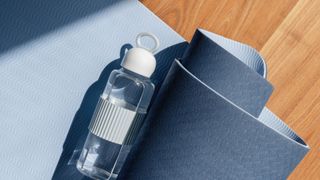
(141,59)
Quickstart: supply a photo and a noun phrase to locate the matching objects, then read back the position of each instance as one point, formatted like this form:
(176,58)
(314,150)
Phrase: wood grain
(293,56)
(252,21)
(287,33)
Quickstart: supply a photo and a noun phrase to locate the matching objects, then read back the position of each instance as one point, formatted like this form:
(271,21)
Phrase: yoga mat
(206,123)
(55,59)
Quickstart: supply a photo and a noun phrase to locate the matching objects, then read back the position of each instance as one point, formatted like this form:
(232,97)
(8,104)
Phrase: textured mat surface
(55,59)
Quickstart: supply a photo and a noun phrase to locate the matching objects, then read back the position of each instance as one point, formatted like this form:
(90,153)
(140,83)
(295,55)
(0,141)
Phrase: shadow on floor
(24,21)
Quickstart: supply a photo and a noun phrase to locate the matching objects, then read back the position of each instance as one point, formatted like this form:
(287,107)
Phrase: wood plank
(252,22)
(293,56)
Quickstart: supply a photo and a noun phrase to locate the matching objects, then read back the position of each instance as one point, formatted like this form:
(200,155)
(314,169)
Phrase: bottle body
(115,124)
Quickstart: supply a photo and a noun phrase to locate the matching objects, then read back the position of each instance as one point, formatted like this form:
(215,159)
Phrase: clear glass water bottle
(119,114)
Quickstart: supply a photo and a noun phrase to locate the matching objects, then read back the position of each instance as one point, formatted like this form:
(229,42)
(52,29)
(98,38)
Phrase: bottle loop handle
(150,35)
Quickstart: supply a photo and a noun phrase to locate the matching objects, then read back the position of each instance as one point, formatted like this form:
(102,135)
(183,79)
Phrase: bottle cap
(141,59)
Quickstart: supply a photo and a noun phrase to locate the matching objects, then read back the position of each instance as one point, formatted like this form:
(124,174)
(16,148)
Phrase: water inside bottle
(111,136)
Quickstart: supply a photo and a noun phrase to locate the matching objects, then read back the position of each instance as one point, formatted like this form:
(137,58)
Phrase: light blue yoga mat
(55,59)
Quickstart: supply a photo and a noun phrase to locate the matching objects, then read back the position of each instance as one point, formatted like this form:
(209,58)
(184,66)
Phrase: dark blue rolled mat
(209,120)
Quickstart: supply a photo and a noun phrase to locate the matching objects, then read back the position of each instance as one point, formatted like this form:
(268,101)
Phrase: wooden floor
(287,33)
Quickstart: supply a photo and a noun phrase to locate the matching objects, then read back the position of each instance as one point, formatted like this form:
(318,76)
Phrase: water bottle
(119,113)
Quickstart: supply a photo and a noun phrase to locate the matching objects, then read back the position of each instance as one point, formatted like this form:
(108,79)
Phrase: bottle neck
(136,75)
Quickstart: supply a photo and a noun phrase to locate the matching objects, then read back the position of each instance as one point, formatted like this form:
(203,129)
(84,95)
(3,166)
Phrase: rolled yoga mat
(209,120)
